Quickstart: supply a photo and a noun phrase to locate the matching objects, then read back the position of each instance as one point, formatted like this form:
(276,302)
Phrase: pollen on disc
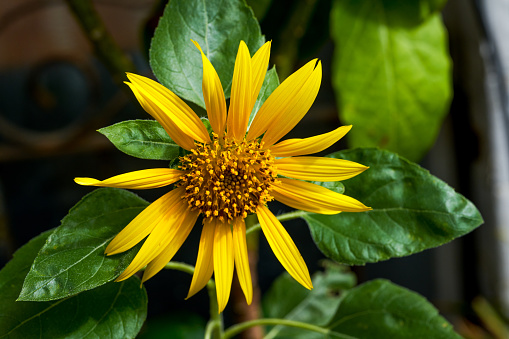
(227,179)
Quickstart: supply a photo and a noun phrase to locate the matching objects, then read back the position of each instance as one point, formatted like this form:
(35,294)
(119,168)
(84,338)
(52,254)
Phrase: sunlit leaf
(114,310)
(145,139)
(73,259)
(412,211)
(391,73)
(218,26)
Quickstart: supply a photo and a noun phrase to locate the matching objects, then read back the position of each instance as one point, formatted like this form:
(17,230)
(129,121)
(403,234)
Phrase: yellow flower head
(232,174)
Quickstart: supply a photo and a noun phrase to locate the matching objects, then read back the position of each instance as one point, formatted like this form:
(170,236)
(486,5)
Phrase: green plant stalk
(115,60)
(238,328)
(281,217)
(214,329)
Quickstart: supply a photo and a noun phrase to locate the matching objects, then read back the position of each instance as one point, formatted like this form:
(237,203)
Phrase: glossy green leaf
(115,310)
(412,211)
(380,309)
(73,259)
(218,26)
(270,83)
(145,139)
(287,299)
(391,73)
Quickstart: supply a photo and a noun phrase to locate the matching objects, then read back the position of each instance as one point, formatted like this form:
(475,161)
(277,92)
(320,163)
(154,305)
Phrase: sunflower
(231,173)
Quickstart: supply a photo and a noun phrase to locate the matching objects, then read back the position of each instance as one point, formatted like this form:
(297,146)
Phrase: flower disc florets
(227,179)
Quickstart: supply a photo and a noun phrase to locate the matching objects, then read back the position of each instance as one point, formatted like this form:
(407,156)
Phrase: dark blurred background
(54,94)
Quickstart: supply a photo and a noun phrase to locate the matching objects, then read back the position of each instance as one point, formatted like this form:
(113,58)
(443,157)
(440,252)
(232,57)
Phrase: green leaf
(287,299)
(218,26)
(412,211)
(73,259)
(145,139)
(380,309)
(391,73)
(260,7)
(270,83)
(115,310)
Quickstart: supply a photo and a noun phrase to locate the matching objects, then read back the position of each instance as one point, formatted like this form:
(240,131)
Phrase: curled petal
(260,62)
(204,263)
(144,179)
(144,223)
(241,102)
(181,230)
(283,247)
(299,105)
(281,100)
(315,144)
(175,133)
(314,198)
(157,241)
(171,105)
(213,95)
(241,259)
(318,168)
(223,263)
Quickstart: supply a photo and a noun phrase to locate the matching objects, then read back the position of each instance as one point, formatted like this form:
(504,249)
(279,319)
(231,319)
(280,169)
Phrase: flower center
(228,179)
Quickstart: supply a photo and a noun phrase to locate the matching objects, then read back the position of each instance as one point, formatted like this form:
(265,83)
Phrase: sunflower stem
(215,325)
(214,329)
(105,47)
(238,328)
(281,217)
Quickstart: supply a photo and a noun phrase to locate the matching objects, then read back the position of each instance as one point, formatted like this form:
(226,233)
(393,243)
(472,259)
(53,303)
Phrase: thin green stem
(214,329)
(215,325)
(281,217)
(103,43)
(236,329)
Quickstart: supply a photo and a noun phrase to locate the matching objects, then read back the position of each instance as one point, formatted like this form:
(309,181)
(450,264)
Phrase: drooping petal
(314,198)
(213,95)
(241,102)
(259,62)
(315,144)
(182,229)
(318,168)
(223,263)
(175,133)
(144,223)
(283,247)
(144,179)
(241,259)
(204,262)
(280,100)
(178,111)
(158,239)
(298,106)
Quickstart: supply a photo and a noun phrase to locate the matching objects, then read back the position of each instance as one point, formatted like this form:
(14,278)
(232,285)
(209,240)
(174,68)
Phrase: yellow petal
(299,104)
(295,147)
(241,259)
(181,230)
(177,110)
(204,262)
(241,102)
(144,179)
(259,62)
(318,168)
(314,198)
(144,223)
(280,100)
(213,95)
(175,133)
(158,239)
(223,263)
(283,247)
